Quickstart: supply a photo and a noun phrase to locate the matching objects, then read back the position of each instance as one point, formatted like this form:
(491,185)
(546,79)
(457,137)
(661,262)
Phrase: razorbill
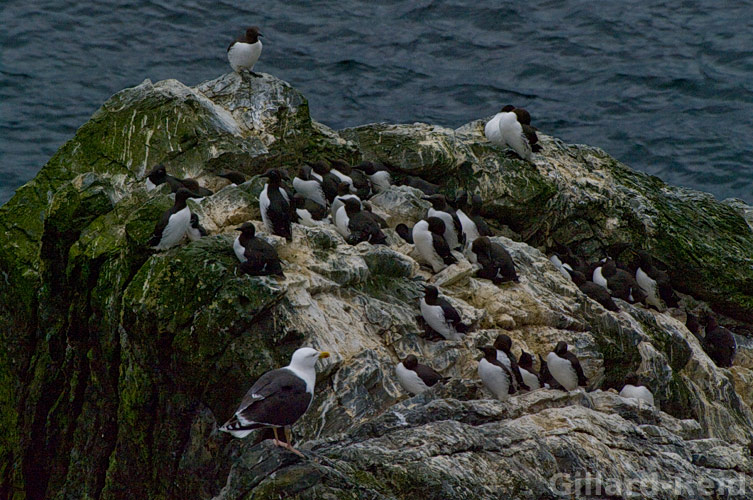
(495,376)
(245,51)
(405,232)
(503,345)
(633,389)
(308,212)
(415,377)
(378,175)
(719,343)
(278,398)
(361,225)
(428,236)
(530,377)
(440,315)
(173,224)
(195,230)
(496,263)
(592,290)
(453,232)
(505,130)
(565,367)
(274,205)
(258,258)
(308,187)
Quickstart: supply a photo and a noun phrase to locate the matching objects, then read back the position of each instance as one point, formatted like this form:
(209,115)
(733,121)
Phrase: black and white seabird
(245,51)
(530,377)
(719,343)
(362,226)
(369,210)
(654,282)
(195,230)
(274,205)
(278,398)
(428,236)
(361,184)
(235,177)
(633,389)
(378,175)
(496,263)
(453,232)
(503,345)
(173,224)
(343,193)
(592,290)
(547,380)
(308,187)
(415,377)
(562,266)
(329,181)
(505,130)
(495,376)
(405,232)
(257,257)
(565,367)
(470,231)
(422,185)
(341,169)
(620,283)
(440,315)
(308,212)
(158,176)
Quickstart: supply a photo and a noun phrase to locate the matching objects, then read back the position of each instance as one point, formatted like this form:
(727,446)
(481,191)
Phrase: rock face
(119,363)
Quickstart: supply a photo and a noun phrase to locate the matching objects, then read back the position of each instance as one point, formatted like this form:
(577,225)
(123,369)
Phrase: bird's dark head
(341,165)
(436,225)
(352,206)
(183,194)
(476,201)
(343,188)
(711,322)
(524,117)
(321,167)
(490,353)
(507,108)
(157,172)
(366,167)
(410,361)
(275,176)
(481,244)
(304,173)
(247,229)
(561,348)
(503,343)
(609,268)
(461,199)
(632,379)
(431,293)
(526,361)
(252,34)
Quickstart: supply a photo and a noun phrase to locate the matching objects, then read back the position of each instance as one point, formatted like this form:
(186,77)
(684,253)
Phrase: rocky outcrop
(120,363)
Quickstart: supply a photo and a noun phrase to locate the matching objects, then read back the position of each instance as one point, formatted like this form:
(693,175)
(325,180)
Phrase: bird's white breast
(599,278)
(341,222)
(240,252)
(494,378)
(176,229)
(344,178)
(639,392)
(449,226)
(502,358)
(491,131)
(469,228)
(424,243)
(648,285)
(434,316)
(193,233)
(530,379)
(410,380)
(381,180)
(264,206)
(243,55)
(512,135)
(562,371)
(311,190)
(149,184)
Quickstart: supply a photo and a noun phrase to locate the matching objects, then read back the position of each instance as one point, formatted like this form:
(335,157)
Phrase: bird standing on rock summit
(505,130)
(173,224)
(278,398)
(257,257)
(274,205)
(415,377)
(245,51)
(362,226)
(565,367)
(495,261)
(503,345)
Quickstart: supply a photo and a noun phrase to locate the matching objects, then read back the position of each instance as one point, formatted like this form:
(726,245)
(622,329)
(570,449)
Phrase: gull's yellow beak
(323,354)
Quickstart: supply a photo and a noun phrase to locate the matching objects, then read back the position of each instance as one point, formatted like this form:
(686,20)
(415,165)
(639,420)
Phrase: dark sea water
(666,87)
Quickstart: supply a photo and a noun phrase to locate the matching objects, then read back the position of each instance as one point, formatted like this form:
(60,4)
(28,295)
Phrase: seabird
(278,398)
(496,263)
(233,176)
(693,325)
(308,187)
(341,169)
(453,232)
(475,215)
(274,205)
(329,181)
(415,377)
(405,232)
(361,184)
(245,51)
(592,290)
(440,315)
(561,265)
(158,175)
(503,345)
(195,230)
(378,175)
(565,367)
(634,390)
(495,376)
(654,282)
(343,193)
(257,257)
(470,231)
(424,186)
(547,380)
(428,236)
(505,130)
(173,224)
(308,212)
(530,377)
(719,343)
(369,210)
(361,225)
(620,283)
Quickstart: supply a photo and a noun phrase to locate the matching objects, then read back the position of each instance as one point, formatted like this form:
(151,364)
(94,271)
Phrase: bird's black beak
(239,229)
